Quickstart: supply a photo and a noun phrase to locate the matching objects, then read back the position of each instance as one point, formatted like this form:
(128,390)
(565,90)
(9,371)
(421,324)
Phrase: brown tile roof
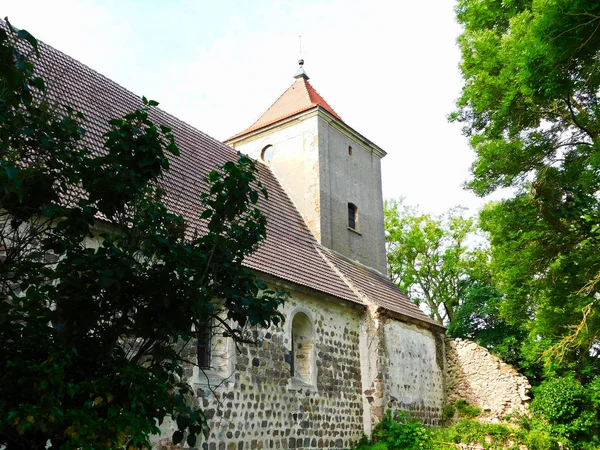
(375,287)
(290,251)
(299,97)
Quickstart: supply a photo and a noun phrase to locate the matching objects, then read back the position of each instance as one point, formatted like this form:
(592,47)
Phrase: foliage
(568,407)
(530,109)
(492,436)
(448,413)
(399,432)
(478,316)
(428,256)
(88,359)
(463,409)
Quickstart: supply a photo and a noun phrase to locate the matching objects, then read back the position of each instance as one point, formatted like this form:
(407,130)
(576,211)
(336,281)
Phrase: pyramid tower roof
(299,97)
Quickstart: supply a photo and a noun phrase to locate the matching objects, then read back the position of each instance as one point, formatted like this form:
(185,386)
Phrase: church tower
(331,172)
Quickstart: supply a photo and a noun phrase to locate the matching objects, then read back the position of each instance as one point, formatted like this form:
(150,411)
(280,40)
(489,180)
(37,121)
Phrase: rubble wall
(483,380)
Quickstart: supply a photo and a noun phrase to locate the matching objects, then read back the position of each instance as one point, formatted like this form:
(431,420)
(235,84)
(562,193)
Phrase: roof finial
(300,73)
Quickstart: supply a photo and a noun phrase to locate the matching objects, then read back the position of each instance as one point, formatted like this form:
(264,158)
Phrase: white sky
(389,68)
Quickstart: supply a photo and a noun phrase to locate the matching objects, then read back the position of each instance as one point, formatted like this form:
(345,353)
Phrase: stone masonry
(483,380)
(259,405)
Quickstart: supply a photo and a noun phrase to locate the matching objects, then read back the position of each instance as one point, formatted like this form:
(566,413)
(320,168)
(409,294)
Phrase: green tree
(478,316)
(428,256)
(88,357)
(530,108)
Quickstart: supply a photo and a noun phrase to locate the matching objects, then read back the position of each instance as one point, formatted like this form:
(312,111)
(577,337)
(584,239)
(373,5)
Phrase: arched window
(267,153)
(352,216)
(302,358)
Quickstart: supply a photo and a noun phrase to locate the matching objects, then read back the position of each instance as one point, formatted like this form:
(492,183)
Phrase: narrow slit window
(352,216)
(203,348)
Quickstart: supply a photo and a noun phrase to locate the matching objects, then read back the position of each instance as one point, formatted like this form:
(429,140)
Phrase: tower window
(301,364)
(267,153)
(352,216)
(203,348)
(350,150)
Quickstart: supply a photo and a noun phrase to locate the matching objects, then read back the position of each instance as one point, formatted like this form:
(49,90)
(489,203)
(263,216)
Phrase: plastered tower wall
(312,160)
(295,161)
(351,178)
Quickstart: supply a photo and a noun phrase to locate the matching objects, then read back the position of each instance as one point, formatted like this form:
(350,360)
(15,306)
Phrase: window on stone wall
(302,359)
(203,335)
(352,216)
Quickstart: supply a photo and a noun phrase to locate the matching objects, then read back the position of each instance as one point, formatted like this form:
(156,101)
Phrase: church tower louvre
(331,172)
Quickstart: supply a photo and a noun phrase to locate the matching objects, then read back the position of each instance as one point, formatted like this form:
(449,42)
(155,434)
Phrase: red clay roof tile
(299,97)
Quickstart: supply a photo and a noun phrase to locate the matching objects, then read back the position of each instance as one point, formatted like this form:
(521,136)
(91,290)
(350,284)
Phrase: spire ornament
(300,73)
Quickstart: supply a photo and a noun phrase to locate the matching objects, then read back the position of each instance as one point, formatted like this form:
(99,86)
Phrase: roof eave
(336,123)
(412,320)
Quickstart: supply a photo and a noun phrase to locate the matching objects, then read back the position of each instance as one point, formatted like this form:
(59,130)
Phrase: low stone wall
(483,380)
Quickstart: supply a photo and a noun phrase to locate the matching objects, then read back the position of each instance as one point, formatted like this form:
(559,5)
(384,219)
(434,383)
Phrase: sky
(388,68)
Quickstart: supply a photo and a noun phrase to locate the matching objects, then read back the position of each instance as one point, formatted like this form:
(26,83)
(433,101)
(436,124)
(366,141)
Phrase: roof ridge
(365,299)
(312,92)
(272,104)
(300,96)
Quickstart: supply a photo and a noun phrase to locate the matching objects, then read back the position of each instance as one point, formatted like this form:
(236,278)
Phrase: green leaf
(11,171)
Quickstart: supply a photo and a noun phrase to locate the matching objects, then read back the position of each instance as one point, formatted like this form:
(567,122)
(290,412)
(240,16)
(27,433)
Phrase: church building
(352,345)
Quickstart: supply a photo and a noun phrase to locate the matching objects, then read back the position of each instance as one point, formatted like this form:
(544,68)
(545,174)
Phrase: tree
(428,256)
(530,108)
(478,316)
(88,357)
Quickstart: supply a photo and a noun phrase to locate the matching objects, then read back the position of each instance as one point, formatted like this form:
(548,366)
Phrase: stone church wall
(413,371)
(484,381)
(259,406)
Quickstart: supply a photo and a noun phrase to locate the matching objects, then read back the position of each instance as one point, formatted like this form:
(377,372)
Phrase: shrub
(491,436)
(569,409)
(448,413)
(400,432)
(465,410)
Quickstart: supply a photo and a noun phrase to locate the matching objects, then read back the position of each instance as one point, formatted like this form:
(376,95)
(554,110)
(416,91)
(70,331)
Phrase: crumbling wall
(483,380)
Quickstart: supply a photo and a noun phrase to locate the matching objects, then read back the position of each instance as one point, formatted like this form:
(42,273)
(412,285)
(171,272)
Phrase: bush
(569,408)
(465,410)
(399,432)
(491,436)
(448,413)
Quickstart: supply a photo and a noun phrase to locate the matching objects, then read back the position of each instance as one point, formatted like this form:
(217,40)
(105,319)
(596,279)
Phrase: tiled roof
(375,287)
(290,251)
(299,97)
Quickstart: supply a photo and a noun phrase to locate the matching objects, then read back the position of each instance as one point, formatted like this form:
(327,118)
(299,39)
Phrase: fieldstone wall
(483,380)
(412,365)
(258,405)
